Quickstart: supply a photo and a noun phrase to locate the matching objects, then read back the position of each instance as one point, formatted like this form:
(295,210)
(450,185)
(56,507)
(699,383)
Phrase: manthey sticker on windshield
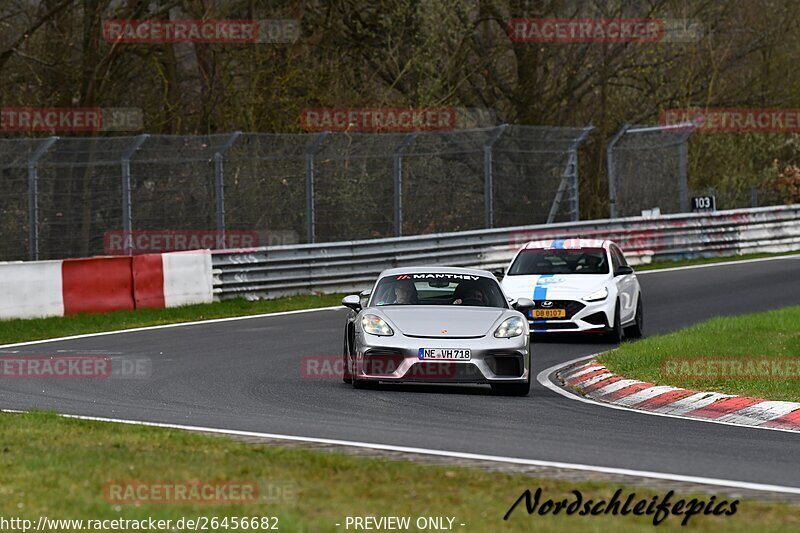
(438,276)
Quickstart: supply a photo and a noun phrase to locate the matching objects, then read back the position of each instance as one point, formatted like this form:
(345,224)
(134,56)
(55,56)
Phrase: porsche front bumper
(397,359)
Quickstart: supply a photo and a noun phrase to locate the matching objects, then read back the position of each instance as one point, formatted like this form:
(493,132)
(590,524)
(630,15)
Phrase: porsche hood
(440,321)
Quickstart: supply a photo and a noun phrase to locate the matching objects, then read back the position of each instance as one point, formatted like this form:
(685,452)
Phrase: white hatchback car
(577,285)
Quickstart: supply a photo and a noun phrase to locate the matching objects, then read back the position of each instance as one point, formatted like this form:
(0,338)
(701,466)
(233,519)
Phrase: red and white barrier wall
(102,284)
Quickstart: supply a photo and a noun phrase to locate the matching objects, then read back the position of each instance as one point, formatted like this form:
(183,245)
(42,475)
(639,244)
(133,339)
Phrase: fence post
(683,178)
(310,214)
(219,184)
(612,172)
(575,199)
(33,198)
(398,182)
(488,175)
(127,209)
(569,179)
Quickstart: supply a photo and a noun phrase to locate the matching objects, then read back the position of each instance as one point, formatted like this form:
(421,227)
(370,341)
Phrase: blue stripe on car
(539,293)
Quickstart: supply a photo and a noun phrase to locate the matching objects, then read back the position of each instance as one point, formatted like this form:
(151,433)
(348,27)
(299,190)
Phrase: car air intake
(598,319)
(505,364)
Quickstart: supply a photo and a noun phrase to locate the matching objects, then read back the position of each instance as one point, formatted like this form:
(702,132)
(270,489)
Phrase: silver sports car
(437,324)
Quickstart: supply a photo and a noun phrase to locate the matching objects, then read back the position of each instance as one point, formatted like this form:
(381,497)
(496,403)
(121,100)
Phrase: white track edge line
(720,263)
(543,379)
(173,325)
(762,487)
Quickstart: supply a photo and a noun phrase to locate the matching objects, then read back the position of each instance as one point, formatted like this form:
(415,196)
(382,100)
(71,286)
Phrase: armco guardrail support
(611,171)
(310,214)
(33,198)
(488,175)
(127,209)
(397,168)
(219,181)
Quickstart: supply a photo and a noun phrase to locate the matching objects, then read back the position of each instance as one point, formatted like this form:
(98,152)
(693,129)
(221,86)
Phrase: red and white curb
(595,381)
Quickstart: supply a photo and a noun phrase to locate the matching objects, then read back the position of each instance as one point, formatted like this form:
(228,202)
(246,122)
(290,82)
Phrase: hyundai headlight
(596,296)
(511,327)
(375,325)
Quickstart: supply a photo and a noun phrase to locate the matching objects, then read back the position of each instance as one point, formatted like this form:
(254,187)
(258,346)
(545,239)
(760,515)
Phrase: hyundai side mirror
(353,301)
(623,271)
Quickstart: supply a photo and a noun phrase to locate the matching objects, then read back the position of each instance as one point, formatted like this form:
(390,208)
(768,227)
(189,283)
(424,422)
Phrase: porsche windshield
(559,261)
(439,289)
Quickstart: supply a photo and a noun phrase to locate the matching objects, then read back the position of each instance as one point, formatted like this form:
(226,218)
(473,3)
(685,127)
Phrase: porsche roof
(436,270)
(568,244)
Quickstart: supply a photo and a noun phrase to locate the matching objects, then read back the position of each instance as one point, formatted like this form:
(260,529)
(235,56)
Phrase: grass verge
(745,338)
(62,468)
(45,328)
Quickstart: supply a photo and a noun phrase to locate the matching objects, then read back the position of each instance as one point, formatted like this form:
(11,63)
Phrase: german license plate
(451,354)
(549,313)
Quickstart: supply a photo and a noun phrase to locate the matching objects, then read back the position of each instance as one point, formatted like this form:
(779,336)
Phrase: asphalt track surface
(245,375)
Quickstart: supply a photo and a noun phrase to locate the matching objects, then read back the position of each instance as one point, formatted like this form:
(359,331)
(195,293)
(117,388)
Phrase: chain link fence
(647,168)
(61,197)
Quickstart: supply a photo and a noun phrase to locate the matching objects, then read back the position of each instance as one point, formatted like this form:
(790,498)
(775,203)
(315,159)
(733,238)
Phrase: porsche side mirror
(623,271)
(523,304)
(353,301)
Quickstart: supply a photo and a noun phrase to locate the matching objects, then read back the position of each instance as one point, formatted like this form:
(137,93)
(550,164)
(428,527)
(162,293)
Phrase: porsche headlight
(596,296)
(375,325)
(511,327)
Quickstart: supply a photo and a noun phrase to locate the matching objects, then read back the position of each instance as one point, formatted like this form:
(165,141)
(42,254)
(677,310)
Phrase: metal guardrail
(269,272)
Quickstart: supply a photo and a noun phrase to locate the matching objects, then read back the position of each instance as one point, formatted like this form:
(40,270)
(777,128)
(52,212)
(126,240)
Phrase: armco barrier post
(127,210)
(219,182)
(397,169)
(310,214)
(33,198)
(488,175)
